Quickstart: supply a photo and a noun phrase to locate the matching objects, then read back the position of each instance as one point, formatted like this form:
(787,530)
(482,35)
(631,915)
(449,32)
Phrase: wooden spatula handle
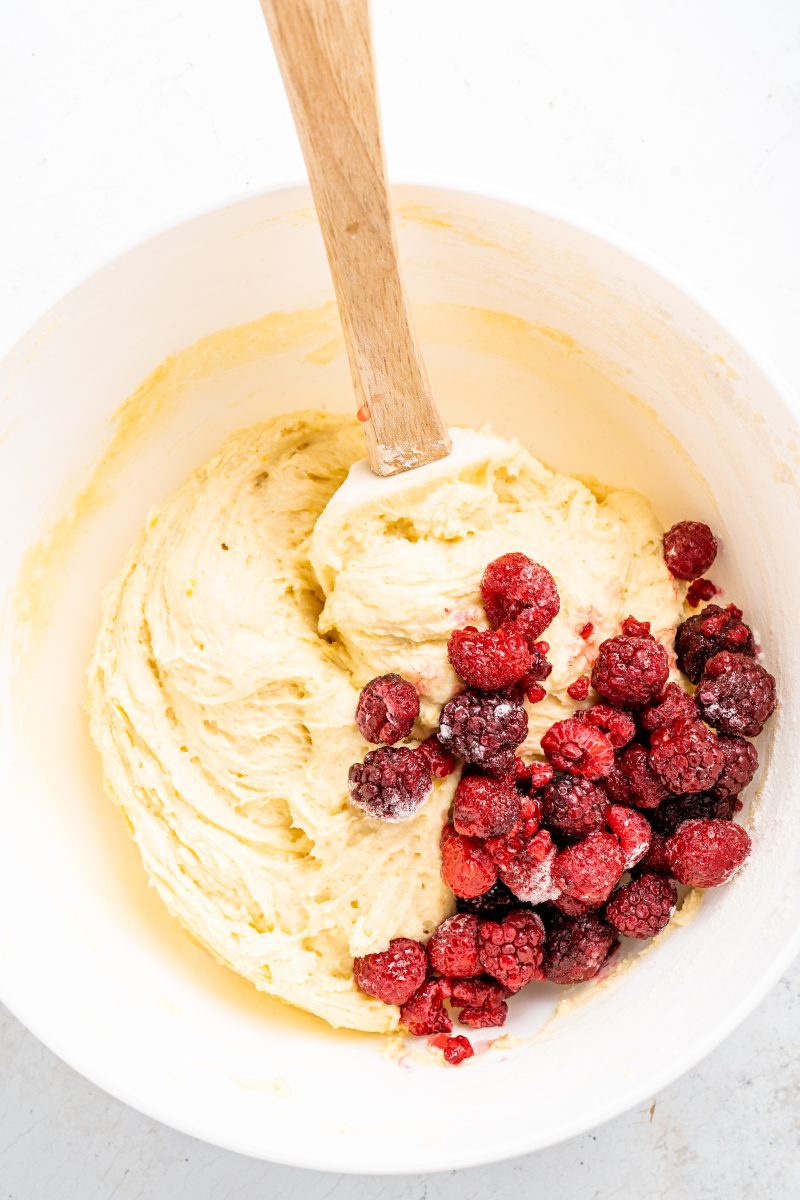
(324,49)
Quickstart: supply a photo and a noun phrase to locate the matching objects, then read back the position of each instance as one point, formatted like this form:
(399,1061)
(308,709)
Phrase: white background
(673,122)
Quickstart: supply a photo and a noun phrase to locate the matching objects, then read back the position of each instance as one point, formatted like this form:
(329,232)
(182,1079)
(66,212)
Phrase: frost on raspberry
(633,830)
(468,868)
(643,907)
(525,864)
(485,807)
(425,1012)
(579,748)
(394,974)
(577,947)
(618,726)
(706,853)
(453,946)
(714,629)
(740,765)
(490,659)
(391,784)
(387,709)
(673,705)
(573,807)
(484,728)
(590,869)
(512,950)
(689,549)
(735,694)
(482,1002)
(513,587)
(630,671)
(686,756)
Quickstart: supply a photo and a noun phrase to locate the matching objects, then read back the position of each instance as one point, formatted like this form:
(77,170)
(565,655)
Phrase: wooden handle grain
(324,50)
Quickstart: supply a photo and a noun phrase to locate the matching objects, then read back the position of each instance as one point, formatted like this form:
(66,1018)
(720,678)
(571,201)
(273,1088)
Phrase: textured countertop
(676,124)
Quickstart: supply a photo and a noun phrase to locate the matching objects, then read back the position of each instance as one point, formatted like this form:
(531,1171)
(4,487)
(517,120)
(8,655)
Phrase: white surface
(679,127)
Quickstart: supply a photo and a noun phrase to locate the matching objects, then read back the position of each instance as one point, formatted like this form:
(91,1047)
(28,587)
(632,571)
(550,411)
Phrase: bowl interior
(602,368)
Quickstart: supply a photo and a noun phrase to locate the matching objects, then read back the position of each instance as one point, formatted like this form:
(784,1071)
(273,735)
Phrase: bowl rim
(625,1097)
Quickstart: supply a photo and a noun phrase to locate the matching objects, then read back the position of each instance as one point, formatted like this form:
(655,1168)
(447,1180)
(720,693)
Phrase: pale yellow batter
(232,649)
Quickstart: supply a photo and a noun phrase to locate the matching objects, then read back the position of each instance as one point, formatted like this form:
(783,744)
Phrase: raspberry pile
(550,862)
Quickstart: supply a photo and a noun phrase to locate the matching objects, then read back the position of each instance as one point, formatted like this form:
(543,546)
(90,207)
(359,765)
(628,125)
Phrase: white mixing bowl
(595,345)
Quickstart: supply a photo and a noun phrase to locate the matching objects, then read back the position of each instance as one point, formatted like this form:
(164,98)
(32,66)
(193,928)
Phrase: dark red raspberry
(673,705)
(425,1012)
(512,949)
(489,659)
(392,975)
(569,906)
(525,864)
(706,633)
(485,807)
(630,671)
(453,947)
(633,830)
(575,746)
(573,807)
(391,784)
(706,853)
(514,586)
(468,868)
(735,694)
(656,858)
(485,728)
(677,809)
(741,764)
(440,761)
(642,907)
(579,688)
(689,549)
(590,870)
(686,756)
(644,788)
(541,667)
(482,1002)
(498,900)
(616,785)
(700,590)
(457,1049)
(618,726)
(387,709)
(577,947)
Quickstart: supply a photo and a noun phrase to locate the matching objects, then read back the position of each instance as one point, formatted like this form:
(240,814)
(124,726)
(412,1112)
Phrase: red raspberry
(686,756)
(541,668)
(453,947)
(579,688)
(705,853)
(735,694)
(577,947)
(425,1012)
(674,705)
(689,549)
(539,774)
(705,634)
(387,709)
(586,631)
(534,694)
(590,869)
(579,748)
(569,906)
(491,659)
(514,586)
(485,728)
(485,807)
(525,865)
(467,866)
(512,949)
(656,858)
(630,671)
(498,900)
(482,1002)
(642,907)
(392,975)
(440,761)
(644,788)
(633,831)
(700,590)
(741,764)
(618,726)
(633,628)
(573,807)
(456,1049)
(616,786)
(391,784)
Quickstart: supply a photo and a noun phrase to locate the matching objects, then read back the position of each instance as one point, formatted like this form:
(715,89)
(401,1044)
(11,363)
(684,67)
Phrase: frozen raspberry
(485,728)
(579,688)
(632,829)
(700,590)
(490,659)
(735,694)
(616,786)
(686,756)
(482,1002)
(705,853)
(579,748)
(387,709)
(391,784)
(630,671)
(642,907)
(633,628)
(425,1012)
(485,807)
(468,868)
(440,761)
(656,858)
(740,765)
(539,774)
(514,586)
(512,949)
(498,900)
(392,975)
(644,788)
(618,726)
(541,668)
(590,869)
(689,549)
(525,865)
(573,807)
(457,1049)
(577,947)
(453,947)
(569,906)
(586,631)
(534,694)
(674,705)
(677,809)
(705,634)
